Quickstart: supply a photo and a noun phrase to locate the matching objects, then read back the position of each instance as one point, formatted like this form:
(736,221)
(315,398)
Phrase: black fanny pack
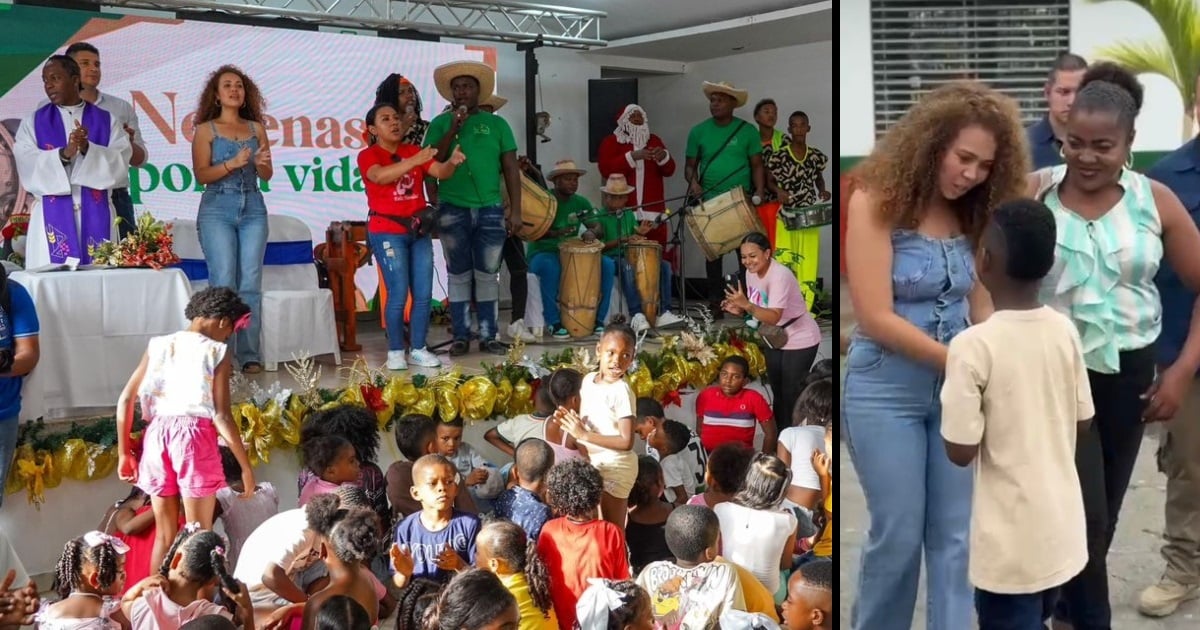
(420,225)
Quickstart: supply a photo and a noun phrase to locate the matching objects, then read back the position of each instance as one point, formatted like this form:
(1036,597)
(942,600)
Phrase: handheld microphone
(410,110)
(462,110)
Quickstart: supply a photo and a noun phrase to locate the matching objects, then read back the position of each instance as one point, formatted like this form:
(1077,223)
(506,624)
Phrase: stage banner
(317,86)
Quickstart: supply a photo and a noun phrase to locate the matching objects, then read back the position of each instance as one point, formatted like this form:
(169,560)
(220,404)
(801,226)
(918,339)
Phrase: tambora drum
(644,256)
(537,209)
(719,224)
(807,216)
(579,289)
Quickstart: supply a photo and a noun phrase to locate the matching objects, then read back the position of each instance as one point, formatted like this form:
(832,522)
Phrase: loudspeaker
(606,99)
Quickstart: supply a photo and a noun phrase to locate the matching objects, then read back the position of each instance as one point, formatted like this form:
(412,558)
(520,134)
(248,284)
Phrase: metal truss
(493,21)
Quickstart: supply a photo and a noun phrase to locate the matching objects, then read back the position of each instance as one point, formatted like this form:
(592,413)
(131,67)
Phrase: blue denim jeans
(630,291)
(1027,611)
(917,499)
(233,235)
(123,205)
(407,264)
(473,242)
(9,427)
(548,268)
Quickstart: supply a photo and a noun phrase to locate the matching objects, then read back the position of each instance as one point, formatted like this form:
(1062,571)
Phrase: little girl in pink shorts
(183,387)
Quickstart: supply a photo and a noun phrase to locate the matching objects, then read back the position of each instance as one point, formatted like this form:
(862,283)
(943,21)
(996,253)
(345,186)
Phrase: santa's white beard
(639,135)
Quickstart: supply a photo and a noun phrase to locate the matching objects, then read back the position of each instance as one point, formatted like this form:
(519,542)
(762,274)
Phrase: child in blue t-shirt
(439,539)
(18,356)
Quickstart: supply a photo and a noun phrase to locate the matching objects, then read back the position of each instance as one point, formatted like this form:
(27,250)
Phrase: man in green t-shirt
(616,225)
(473,222)
(723,153)
(543,253)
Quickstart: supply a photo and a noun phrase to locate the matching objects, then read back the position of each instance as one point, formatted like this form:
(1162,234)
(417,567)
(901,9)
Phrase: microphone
(663,217)
(462,110)
(410,110)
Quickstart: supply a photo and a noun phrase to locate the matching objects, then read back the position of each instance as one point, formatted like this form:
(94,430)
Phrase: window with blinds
(917,45)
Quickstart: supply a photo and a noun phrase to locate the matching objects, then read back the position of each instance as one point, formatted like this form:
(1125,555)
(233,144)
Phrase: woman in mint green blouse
(1114,225)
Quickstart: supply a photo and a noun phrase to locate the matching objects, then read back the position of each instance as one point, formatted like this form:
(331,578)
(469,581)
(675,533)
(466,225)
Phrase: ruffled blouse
(1103,273)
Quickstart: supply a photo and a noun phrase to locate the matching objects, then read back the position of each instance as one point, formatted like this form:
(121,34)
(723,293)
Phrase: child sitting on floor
(729,411)
(755,531)
(691,591)
(727,466)
(242,516)
(645,531)
(90,573)
(439,539)
(577,546)
(609,604)
(504,549)
(416,437)
(481,479)
(357,424)
(508,434)
(524,503)
(333,461)
(131,521)
(191,574)
(809,604)
(678,450)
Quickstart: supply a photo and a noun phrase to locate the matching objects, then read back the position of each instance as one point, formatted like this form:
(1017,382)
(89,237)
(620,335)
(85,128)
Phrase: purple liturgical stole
(58,211)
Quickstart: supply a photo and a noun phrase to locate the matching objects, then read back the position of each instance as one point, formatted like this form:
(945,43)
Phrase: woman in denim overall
(922,201)
(230,153)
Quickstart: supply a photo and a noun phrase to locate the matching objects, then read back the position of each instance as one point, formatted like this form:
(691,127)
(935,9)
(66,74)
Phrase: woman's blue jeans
(919,502)
(407,265)
(233,235)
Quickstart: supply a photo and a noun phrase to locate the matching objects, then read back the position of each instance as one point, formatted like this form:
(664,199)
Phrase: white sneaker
(424,358)
(395,360)
(667,319)
(517,330)
(639,323)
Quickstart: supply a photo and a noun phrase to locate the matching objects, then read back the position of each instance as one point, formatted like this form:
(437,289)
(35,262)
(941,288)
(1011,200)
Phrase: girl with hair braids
(18,356)
(90,572)
(187,581)
(1113,227)
(415,600)
(182,385)
(504,549)
(563,387)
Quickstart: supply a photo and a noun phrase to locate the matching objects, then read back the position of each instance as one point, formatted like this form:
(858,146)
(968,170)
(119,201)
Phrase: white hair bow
(96,538)
(591,611)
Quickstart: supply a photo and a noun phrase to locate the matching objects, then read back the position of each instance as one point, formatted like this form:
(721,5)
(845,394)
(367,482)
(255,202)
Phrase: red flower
(672,398)
(373,397)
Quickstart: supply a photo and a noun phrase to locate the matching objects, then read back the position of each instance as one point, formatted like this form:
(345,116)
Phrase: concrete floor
(1133,563)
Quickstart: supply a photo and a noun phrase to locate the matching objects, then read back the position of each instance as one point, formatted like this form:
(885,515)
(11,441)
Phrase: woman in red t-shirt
(393,175)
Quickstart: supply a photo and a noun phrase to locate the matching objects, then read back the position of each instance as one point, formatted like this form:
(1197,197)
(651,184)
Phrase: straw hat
(483,73)
(496,101)
(565,167)
(617,185)
(724,88)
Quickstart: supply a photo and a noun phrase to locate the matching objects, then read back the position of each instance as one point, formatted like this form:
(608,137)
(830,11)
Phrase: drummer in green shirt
(615,224)
(723,153)
(543,253)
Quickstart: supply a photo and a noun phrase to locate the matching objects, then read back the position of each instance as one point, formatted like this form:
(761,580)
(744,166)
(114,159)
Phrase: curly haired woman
(230,153)
(921,203)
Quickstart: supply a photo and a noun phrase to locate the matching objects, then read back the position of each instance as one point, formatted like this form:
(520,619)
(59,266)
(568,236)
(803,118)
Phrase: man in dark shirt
(1179,454)
(1046,135)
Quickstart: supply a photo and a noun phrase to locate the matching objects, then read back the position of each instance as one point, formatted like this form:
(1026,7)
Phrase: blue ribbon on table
(279,253)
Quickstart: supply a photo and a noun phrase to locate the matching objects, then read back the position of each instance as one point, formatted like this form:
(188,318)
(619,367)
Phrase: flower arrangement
(14,233)
(149,245)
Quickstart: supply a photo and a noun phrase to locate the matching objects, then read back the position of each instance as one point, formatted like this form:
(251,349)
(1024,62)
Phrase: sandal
(459,347)
(252,367)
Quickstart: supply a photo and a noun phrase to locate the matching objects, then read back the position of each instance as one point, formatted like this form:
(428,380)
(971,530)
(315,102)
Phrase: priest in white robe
(70,154)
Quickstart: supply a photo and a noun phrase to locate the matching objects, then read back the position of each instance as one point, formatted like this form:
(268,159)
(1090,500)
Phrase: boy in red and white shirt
(728,412)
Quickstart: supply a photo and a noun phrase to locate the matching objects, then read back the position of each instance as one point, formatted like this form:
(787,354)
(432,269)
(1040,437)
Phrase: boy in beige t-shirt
(1016,392)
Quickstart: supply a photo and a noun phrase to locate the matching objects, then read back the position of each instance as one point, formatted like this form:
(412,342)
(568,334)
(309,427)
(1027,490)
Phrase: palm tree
(1176,56)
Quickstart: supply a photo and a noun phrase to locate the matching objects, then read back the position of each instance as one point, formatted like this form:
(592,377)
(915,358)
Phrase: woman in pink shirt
(772,296)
